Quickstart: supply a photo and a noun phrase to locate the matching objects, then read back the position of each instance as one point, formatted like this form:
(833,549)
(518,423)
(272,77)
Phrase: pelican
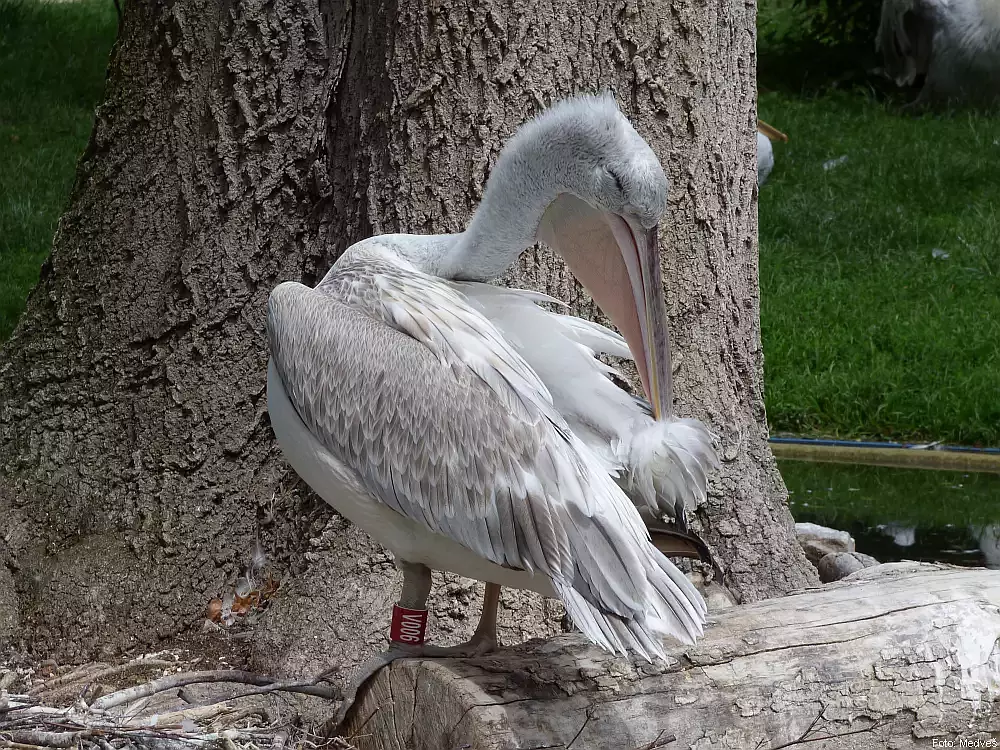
(765,153)
(950,47)
(471,428)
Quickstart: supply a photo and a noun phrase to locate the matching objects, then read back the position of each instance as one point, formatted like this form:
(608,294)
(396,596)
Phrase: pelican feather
(522,490)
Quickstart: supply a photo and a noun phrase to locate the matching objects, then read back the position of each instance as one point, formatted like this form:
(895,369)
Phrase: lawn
(52,62)
(880,277)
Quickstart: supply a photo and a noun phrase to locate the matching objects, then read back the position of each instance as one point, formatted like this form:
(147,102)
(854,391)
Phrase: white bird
(765,153)
(765,158)
(468,429)
(952,45)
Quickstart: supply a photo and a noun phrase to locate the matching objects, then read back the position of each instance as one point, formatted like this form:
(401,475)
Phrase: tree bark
(242,144)
(896,656)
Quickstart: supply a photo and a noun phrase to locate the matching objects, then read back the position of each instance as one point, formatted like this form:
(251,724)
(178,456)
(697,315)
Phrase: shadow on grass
(812,47)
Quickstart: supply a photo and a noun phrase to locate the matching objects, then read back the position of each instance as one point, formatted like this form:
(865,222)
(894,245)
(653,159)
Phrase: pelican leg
(484,640)
(416,588)
(416,584)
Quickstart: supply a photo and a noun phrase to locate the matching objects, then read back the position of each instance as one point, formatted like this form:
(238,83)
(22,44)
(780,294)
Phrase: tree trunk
(897,656)
(242,144)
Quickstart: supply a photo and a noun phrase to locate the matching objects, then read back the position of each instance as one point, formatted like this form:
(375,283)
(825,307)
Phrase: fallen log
(902,655)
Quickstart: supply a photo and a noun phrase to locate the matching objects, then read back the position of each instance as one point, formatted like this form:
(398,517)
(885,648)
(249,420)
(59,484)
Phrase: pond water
(901,514)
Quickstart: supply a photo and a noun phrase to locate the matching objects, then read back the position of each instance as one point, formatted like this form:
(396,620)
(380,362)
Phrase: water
(901,514)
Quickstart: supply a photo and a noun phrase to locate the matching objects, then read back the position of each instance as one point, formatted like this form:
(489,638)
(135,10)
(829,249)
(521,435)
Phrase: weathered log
(894,656)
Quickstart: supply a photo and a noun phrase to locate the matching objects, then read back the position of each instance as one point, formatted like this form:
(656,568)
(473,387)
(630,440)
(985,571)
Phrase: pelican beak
(771,132)
(621,270)
(656,337)
(640,250)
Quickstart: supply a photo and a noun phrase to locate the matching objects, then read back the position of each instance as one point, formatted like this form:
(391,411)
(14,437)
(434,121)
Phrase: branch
(121,720)
(79,673)
(18,746)
(211,708)
(94,672)
(48,739)
(179,680)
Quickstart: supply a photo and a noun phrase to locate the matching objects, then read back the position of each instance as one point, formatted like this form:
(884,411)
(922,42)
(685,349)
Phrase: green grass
(52,62)
(866,334)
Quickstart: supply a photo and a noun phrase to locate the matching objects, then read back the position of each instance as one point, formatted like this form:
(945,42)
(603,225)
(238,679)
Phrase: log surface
(894,656)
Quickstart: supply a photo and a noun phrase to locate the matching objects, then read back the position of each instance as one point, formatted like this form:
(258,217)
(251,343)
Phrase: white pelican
(953,45)
(765,154)
(468,429)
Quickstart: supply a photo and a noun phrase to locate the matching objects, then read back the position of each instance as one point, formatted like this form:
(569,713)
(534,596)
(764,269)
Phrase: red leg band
(408,625)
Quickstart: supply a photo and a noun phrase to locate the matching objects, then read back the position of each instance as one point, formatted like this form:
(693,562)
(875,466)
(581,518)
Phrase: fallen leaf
(214,610)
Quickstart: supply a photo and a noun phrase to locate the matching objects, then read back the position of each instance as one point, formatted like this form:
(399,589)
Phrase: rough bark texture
(242,144)
(897,656)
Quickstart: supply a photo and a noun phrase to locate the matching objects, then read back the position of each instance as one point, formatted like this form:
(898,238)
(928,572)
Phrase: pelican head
(580,179)
(606,195)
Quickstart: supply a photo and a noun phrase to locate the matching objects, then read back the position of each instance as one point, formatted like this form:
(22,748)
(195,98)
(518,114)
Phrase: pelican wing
(447,425)
(662,464)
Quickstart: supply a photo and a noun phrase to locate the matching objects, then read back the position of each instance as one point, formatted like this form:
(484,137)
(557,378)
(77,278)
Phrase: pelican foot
(478,645)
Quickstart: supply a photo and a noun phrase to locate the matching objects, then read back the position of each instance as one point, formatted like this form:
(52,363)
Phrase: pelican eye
(618,181)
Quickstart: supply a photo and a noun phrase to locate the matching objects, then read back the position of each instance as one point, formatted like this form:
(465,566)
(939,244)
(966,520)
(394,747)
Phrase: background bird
(765,152)
(951,48)
(472,428)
